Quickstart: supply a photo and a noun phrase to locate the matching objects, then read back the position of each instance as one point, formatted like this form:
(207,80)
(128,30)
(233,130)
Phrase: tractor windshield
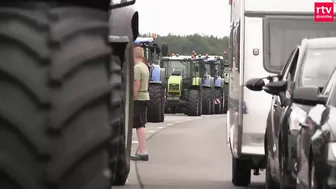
(211,68)
(148,55)
(207,69)
(177,67)
(151,57)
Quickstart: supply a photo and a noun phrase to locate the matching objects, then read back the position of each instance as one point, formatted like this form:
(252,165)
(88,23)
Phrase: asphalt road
(186,153)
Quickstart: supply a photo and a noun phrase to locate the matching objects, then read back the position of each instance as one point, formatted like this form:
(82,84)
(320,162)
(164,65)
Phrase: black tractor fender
(124,22)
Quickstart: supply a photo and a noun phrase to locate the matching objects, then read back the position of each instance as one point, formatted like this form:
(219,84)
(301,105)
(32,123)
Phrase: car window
(326,91)
(285,69)
(330,90)
(332,97)
(293,66)
(318,64)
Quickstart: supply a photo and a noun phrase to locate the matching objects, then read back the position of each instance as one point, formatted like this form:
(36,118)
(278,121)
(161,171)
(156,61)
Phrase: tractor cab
(155,110)
(178,69)
(210,68)
(151,49)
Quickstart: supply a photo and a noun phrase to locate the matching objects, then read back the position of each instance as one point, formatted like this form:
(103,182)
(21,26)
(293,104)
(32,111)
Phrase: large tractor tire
(226,96)
(55,97)
(162,105)
(241,172)
(155,109)
(219,95)
(193,103)
(207,101)
(121,164)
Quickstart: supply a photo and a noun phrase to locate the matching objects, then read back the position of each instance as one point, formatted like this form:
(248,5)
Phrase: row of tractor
(190,84)
(195,84)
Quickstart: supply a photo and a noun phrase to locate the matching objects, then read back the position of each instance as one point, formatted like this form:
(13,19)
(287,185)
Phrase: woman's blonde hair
(138,52)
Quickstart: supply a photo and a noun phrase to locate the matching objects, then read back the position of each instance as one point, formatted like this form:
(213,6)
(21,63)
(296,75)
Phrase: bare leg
(141,133)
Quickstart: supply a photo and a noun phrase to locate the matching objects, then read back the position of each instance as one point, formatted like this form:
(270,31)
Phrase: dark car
(316,141)
(310,64)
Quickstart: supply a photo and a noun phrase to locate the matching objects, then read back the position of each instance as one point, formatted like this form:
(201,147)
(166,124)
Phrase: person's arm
(137,77)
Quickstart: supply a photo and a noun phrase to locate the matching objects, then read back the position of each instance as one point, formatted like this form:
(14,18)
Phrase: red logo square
(324,12)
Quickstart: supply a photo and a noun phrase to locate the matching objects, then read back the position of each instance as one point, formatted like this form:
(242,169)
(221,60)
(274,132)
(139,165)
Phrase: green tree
(184,45)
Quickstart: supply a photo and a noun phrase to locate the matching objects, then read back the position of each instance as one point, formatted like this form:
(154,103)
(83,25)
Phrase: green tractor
(183,85)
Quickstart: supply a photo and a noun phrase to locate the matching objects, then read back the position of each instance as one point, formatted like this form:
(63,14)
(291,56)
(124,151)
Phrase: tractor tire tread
(206,101)
(154,109)
(54,100)
(193,102)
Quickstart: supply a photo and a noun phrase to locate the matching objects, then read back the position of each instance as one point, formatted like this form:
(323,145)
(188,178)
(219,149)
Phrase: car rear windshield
(317,67)
(283,34)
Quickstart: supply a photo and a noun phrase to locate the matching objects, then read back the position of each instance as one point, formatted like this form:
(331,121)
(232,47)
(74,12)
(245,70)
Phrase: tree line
(200,44)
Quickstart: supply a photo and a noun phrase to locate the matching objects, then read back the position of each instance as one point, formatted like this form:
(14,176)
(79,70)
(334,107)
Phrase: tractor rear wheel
(55,111)
(162,105)
(154,111)
(207,101)
(121,164)
(193,102)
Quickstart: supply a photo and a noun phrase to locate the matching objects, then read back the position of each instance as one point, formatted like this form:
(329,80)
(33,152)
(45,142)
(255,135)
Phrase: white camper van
(263,34)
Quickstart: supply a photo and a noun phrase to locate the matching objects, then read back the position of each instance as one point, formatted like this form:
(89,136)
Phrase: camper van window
(282,34)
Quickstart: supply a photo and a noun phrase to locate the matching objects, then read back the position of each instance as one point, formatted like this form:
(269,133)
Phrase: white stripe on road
(151,131)
(135,142)
(160,127)
(178,121)
(170,124)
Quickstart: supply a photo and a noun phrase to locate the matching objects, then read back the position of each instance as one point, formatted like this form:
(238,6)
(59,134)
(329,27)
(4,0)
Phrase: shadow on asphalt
(200,184)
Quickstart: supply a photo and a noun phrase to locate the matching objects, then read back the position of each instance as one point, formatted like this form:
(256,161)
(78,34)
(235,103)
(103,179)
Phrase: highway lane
(186,153)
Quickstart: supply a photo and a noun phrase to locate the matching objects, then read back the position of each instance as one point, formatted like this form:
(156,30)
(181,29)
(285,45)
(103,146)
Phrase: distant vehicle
(156,105)
(263,34)
(183,85)
(310,64)
(213,84)
(316,157)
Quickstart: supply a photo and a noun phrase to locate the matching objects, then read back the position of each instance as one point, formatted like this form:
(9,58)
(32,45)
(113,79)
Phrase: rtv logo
(324,12)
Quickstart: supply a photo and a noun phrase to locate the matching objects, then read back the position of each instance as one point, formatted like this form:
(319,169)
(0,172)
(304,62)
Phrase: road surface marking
(178,121)
(151,131)
(160,127)
(135,142)
(170,124)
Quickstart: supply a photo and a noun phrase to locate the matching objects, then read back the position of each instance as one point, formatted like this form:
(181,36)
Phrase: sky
(210,17)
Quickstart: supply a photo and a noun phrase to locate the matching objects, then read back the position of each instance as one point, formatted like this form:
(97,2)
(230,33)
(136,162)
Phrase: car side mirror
(309,96)
(255,84)
(276,87)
